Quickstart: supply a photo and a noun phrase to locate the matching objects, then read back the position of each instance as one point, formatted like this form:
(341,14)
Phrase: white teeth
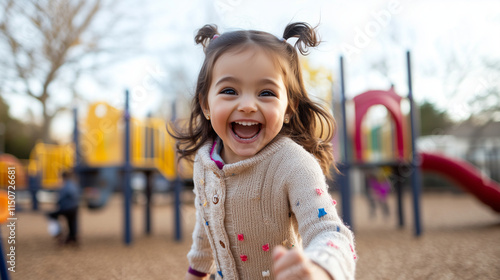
(247,123)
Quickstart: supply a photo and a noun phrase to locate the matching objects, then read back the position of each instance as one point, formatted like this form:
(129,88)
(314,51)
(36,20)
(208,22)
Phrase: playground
(460,242)
(131,232)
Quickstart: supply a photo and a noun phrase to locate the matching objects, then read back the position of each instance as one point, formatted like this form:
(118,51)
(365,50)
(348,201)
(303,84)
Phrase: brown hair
(311,125)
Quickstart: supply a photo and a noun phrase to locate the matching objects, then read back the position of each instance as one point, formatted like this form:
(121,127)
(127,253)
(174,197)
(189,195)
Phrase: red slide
(466,176)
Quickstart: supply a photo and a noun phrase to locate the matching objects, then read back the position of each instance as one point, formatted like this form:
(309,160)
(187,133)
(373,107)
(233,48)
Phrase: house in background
(477,144)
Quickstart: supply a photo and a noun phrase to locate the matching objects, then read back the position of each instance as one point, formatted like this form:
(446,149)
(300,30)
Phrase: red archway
(390,100)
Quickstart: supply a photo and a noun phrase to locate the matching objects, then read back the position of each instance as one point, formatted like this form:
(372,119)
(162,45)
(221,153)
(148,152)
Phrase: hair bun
(206,34)
(305,33)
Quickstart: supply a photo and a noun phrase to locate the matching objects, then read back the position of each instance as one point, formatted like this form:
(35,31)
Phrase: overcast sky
(365,32)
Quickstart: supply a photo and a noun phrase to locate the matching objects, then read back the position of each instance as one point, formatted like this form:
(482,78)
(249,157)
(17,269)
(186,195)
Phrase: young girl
(262,148)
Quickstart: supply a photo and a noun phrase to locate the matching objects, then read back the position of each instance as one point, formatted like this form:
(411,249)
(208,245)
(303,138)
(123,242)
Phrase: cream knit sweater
(277,197)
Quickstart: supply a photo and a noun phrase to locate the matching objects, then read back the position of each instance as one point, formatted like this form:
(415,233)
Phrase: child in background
(261,147)
(68,201)
(380,186)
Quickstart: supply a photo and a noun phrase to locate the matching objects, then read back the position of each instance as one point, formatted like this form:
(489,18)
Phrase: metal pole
(344,168)
(415,174)
(177,194)
(149,193)
(398,184)
(4,274)
(177,188)
(76,143)
(127,168)
(76,138)
(34,186)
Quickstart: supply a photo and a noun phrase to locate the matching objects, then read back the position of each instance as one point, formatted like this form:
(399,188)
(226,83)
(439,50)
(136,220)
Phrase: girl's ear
(206,111)
(288,114)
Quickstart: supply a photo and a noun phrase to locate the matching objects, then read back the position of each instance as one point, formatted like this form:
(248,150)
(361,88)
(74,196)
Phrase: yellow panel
(102,144)
(49,161)
(102,137)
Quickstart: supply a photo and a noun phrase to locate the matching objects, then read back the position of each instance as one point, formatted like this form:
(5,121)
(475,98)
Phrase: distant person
(67,203)
(378,189)
(260,165)
(369,193)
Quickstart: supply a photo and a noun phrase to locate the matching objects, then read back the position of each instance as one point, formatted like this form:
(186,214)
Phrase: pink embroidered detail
(243,258)
(241,237)
(352,250)
(219,164)
(265,247)
(334,202)
(319,191)
(331,244)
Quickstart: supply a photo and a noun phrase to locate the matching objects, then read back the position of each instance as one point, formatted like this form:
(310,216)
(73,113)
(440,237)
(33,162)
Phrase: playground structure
(6,161)
(101,144)
(464,175)
(405,160)
(108,146)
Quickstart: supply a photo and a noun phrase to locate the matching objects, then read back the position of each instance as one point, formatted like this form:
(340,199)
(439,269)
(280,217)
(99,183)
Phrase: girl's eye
(228,91)
(267,93)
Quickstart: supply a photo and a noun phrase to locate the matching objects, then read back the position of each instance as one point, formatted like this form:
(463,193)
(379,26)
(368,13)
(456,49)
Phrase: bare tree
(45,47)
(392,41)
(472,85)
(485,99)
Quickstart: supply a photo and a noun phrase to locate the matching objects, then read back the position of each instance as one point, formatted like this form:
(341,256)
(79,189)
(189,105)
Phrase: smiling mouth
(246,130)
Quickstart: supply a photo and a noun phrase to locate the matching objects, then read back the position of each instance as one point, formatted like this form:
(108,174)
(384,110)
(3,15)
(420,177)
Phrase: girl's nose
(247,104)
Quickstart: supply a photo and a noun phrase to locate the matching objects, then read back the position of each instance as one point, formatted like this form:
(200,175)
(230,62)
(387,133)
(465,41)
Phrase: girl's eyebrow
(266,81)
(227,79)
(263,81)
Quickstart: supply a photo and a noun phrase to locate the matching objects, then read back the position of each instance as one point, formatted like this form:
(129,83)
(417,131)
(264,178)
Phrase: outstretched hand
(293,264)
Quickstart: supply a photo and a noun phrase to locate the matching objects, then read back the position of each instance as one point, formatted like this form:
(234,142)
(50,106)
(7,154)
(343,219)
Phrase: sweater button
(222,244)
(215,199)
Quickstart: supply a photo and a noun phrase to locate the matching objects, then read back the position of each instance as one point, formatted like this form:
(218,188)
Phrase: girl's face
(247,102)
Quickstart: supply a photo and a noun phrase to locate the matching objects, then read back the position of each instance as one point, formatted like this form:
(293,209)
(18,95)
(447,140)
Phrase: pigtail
(306,34)
(206,34)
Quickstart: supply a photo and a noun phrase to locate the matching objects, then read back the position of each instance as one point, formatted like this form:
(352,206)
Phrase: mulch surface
(461,240)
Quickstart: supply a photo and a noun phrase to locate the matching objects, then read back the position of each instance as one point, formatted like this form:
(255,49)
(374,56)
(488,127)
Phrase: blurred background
(60,57)
(57,55)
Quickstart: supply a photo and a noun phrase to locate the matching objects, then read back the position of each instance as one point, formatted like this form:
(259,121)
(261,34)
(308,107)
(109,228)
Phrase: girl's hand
(190,276)
(293,264)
